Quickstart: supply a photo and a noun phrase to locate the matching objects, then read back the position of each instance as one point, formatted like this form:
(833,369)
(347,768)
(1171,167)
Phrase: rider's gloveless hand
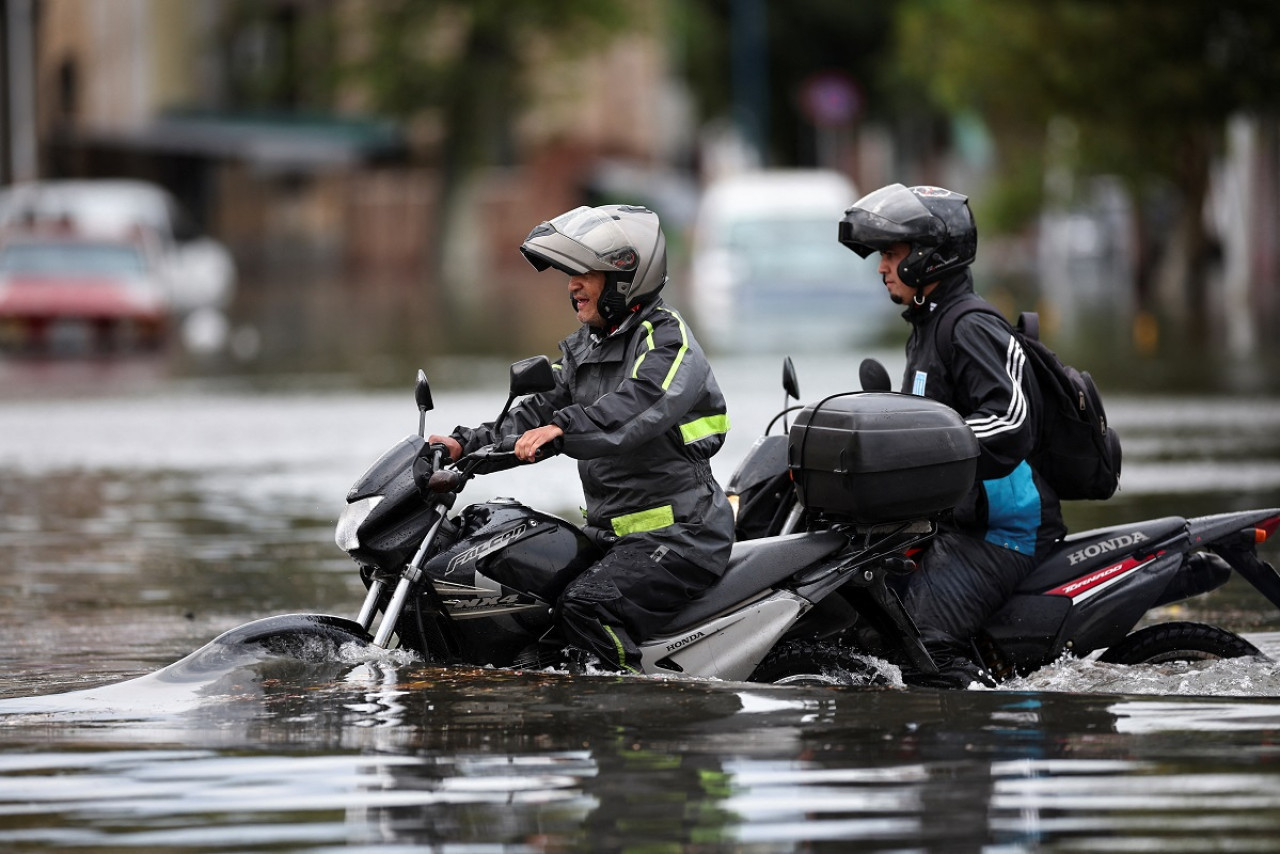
(528,444)
(450,443)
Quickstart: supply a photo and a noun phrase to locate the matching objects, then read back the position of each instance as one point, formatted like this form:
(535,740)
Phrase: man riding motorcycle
(927,239)
(637,405)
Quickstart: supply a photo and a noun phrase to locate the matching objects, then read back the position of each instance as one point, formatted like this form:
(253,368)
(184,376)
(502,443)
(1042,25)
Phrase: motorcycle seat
(754,566)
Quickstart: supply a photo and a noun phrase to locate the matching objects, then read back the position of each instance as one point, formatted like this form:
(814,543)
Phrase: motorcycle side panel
(753,568)
(1094,612)
(1027,630)
(1105,618)
(729,647)
(1080,554)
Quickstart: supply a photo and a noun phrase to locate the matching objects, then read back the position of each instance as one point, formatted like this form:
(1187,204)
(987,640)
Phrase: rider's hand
(450,443)
(528,444)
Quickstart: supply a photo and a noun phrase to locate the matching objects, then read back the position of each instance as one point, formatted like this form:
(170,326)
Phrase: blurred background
(340,186)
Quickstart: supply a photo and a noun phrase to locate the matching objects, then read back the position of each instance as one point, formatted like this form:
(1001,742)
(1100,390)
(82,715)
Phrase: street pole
(22,101)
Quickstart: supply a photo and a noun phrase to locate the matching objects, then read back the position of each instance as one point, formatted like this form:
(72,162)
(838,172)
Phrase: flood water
(142,514)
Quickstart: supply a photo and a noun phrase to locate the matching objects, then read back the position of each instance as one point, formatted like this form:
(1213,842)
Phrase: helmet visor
(890,215)
(583,239)
(599,233)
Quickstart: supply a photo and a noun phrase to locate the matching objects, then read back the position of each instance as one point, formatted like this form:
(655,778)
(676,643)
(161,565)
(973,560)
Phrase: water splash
(1235,677)
(218,671)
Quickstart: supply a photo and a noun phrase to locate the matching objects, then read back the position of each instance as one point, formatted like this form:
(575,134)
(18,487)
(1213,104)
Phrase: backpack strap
(1029,325)
(944,335)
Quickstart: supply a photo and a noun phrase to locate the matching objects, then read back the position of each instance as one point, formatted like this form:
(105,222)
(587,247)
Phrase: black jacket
(988,381)
(642,414)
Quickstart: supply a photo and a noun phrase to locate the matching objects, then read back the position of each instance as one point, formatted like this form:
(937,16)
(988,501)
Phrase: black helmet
(937,224)
(625,242)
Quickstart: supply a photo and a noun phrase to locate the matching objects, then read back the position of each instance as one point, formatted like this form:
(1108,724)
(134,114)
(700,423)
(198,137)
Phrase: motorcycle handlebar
(497,457)
(550,449)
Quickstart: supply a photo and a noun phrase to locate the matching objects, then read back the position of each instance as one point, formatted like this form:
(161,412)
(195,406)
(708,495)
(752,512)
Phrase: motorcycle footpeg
(900,565)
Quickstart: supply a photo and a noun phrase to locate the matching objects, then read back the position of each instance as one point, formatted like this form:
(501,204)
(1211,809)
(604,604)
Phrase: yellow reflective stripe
(684,348)
(617,646)
(704,427)
(645,520)
(635,371)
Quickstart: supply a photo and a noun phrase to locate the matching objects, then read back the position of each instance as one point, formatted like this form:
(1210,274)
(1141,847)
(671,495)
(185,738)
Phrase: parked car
(768,273)
(197,271)
(61,291)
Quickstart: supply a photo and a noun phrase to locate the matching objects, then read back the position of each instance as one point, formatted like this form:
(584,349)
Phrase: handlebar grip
(550,449)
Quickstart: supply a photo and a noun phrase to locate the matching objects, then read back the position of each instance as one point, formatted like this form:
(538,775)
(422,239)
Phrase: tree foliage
(465,62)
(801,38)
(1148,83)
(1145,88)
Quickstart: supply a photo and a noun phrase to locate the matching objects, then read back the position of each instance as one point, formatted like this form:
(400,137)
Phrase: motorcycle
(479,586)
(1085,597)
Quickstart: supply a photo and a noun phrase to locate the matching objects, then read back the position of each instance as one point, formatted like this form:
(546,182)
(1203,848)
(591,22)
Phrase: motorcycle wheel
(817,664)
(1180,641)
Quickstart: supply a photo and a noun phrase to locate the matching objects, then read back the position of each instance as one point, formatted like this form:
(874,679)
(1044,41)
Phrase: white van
(768,274)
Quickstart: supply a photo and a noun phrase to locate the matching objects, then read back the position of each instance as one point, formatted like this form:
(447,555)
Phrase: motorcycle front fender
(313,638)
(305,636)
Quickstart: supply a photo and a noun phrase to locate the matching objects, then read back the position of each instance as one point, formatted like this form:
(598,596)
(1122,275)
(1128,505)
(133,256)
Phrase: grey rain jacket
(642,414)
(991,384)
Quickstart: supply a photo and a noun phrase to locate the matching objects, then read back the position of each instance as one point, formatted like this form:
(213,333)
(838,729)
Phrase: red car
(58,291)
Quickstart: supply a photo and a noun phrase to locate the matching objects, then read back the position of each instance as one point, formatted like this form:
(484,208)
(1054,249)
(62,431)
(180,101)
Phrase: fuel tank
(505,549)
(500,579)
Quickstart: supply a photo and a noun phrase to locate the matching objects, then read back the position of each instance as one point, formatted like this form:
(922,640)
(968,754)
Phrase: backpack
(1076,452)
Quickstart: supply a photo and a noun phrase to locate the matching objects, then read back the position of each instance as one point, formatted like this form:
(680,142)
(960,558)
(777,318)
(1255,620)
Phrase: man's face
(585,290)
(889,260)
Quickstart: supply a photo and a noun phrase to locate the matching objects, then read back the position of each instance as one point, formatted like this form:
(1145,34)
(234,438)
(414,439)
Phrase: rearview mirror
(528,376)
(790,382)
(532,375)
(873,376)
(422,392)
(422,395)
(790,387)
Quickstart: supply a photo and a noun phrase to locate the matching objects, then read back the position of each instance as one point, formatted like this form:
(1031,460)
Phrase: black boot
(955,672)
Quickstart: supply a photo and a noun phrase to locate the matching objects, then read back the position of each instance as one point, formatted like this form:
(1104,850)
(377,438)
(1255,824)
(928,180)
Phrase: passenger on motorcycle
(927,238)
(637,405)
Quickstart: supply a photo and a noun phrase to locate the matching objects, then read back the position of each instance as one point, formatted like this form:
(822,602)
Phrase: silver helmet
(623,241)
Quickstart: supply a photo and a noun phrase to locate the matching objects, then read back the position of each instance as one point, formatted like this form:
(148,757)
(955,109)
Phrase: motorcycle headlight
(347,533)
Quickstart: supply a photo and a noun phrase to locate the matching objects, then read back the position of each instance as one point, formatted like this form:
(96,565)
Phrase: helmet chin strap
(919,297)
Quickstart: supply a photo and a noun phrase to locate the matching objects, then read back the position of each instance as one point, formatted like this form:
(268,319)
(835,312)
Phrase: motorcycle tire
(1178,641)
(811,664)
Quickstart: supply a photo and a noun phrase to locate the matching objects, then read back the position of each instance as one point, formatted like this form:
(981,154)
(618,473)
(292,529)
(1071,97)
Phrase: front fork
(409,578)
